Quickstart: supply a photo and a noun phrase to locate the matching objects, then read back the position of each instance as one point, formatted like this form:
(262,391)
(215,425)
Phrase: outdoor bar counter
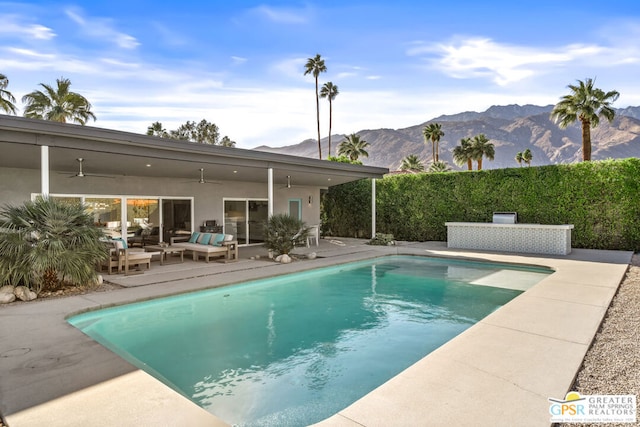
(522,238)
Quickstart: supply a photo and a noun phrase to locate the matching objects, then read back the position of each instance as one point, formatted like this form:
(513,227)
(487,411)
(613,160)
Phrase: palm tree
(156,129)
(527,156)
(432,132)
(7,99)
(439,167)
(481,147)
(353,147)
(329,91)
(519,158)
(587,104)
(47,240)
(463,153)
(315,66)
(58,105)
(412,163)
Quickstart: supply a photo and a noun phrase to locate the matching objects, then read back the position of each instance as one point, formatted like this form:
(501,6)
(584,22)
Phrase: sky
(240,64)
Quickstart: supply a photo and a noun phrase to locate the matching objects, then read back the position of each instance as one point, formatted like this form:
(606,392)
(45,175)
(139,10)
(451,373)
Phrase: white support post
(270,191)
(373,208)
(44,170)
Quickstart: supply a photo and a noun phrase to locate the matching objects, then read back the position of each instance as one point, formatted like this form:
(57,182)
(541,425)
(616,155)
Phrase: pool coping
(498,372)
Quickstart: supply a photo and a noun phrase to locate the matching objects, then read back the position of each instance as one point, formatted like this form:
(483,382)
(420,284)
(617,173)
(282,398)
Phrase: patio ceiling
(108,152)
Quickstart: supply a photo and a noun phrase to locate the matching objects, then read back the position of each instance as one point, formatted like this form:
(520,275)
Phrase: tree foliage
(587,104)
(415,207)
(58,104)
(412,163)
(439,166)
(527,156)
(315,66)
(353,147)
(433,132)
(329,91)
(45,241)
(481,148)
(343,159)
(203,132)
(7,100)
(463,153)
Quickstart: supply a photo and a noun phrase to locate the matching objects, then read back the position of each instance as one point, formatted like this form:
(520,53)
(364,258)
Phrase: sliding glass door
(245,219)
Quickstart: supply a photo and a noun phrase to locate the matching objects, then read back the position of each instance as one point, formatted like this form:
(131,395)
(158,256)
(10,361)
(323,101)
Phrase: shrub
(382,239)
(45,241)
(601,199)
(283,233)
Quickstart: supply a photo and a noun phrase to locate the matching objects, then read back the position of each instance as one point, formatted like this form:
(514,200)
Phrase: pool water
(296,349)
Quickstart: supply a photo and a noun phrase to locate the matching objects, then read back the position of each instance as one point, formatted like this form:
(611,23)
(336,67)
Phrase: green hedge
(601,199)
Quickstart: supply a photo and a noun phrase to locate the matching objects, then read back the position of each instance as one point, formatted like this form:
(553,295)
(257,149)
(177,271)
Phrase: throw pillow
(204,238)
(217,240)
(120,243)
(194,237)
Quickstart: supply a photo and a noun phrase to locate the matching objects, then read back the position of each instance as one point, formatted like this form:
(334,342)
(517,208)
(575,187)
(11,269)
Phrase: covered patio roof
(111,152)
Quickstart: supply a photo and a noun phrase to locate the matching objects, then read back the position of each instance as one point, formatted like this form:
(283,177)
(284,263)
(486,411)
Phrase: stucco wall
(17,185)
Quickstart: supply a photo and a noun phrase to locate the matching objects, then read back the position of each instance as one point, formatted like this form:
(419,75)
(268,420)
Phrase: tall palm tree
(432,132)
(353,147)
(156,129)
(481,147)
(58,104)
(587,104)
(329,91)
(7,99)
(527,156)
(463,153)
(519,158)
(315,66)
(412,163)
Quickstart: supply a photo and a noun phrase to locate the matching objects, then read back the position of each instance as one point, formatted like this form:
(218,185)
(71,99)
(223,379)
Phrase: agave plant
(47,241)
(283,233)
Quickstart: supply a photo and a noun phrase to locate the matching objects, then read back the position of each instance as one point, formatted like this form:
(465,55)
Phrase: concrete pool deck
(499,372)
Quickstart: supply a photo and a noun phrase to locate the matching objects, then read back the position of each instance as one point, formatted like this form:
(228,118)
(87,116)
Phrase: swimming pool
(296,349)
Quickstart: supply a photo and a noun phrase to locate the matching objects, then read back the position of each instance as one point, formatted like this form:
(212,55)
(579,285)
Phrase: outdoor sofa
(208,245)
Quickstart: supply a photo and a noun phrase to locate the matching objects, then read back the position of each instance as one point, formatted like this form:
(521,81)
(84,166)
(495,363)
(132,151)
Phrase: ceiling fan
(204,181)
(289,185)
(82,174)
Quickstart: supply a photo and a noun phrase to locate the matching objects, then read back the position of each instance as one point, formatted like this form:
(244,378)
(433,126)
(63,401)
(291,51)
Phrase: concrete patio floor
(498,372)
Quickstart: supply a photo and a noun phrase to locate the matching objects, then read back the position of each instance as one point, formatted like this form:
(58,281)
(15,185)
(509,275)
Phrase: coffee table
(164,251)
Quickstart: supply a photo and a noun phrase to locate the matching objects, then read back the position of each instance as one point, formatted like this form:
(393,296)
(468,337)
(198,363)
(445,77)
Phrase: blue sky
(240,64)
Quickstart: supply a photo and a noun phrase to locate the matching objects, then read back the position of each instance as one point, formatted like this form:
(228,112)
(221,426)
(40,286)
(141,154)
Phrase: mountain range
(511,128)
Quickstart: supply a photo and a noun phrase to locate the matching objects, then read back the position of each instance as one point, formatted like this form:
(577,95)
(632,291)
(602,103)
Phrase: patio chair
(124,257)
(314,234)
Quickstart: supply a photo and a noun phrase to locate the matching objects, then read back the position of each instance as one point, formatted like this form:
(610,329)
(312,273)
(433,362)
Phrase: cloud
(102,29)
(238,60)
(14,25)
(504,64)
(282,15)
(292,68)
(169,36)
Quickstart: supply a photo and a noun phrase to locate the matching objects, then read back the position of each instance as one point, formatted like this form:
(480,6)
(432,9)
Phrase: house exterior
(162,187)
